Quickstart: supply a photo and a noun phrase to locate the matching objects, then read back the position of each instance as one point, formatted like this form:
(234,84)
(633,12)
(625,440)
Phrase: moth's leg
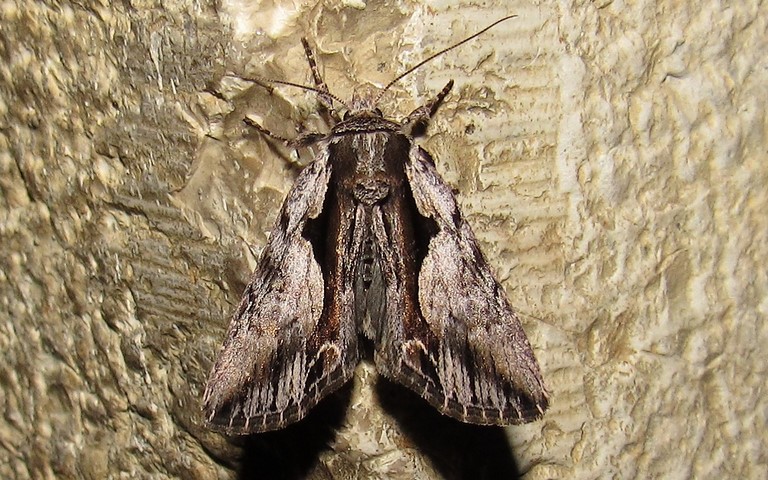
(419,118)
(325,98)
(285,141)
(304,140)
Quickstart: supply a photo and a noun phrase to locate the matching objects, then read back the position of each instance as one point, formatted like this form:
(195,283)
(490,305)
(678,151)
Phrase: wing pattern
(451,335)
(288,343)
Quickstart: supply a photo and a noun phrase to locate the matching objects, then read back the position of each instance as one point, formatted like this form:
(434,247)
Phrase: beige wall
(610,156)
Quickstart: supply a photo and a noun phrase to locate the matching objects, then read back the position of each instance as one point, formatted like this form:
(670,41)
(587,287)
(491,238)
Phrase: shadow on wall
(457,450)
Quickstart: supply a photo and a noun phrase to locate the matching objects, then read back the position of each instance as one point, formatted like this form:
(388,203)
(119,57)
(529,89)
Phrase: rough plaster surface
(610,155)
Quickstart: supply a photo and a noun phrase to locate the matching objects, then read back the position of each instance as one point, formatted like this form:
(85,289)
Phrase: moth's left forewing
(468,354)
(288,345)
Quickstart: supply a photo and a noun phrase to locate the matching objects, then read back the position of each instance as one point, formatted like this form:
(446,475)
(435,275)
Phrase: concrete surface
(611,157)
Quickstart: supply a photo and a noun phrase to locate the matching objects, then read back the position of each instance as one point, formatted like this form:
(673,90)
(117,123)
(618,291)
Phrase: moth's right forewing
(479,367)
(284,351)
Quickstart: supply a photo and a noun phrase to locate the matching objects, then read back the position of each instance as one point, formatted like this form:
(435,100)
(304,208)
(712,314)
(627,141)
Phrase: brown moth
(370,242)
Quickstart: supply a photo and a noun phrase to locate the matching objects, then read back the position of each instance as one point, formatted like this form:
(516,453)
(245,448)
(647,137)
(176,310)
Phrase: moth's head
(363,113)
(363,104)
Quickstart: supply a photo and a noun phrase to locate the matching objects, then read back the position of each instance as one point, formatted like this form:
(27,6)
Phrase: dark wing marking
(287,345)
(451,335)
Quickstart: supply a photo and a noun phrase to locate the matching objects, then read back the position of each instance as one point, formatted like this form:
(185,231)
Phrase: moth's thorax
(368,163)
(365,121)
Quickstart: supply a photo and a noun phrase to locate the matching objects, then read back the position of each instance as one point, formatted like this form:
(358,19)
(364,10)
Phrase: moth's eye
(378,112)
(347,115)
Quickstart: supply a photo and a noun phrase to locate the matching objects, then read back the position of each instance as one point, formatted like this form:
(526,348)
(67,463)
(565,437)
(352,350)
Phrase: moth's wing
(287,345)
(450,334)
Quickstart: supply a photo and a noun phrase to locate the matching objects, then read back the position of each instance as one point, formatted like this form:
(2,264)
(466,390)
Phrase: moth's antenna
(432,57)
(312,89)
(265,83)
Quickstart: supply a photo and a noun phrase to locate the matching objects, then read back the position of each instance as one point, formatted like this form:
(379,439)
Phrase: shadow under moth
(370,244)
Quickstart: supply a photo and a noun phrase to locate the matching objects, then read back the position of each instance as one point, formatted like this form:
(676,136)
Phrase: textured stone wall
(611,157)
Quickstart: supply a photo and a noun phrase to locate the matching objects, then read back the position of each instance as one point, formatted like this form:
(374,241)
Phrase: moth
(370,244)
